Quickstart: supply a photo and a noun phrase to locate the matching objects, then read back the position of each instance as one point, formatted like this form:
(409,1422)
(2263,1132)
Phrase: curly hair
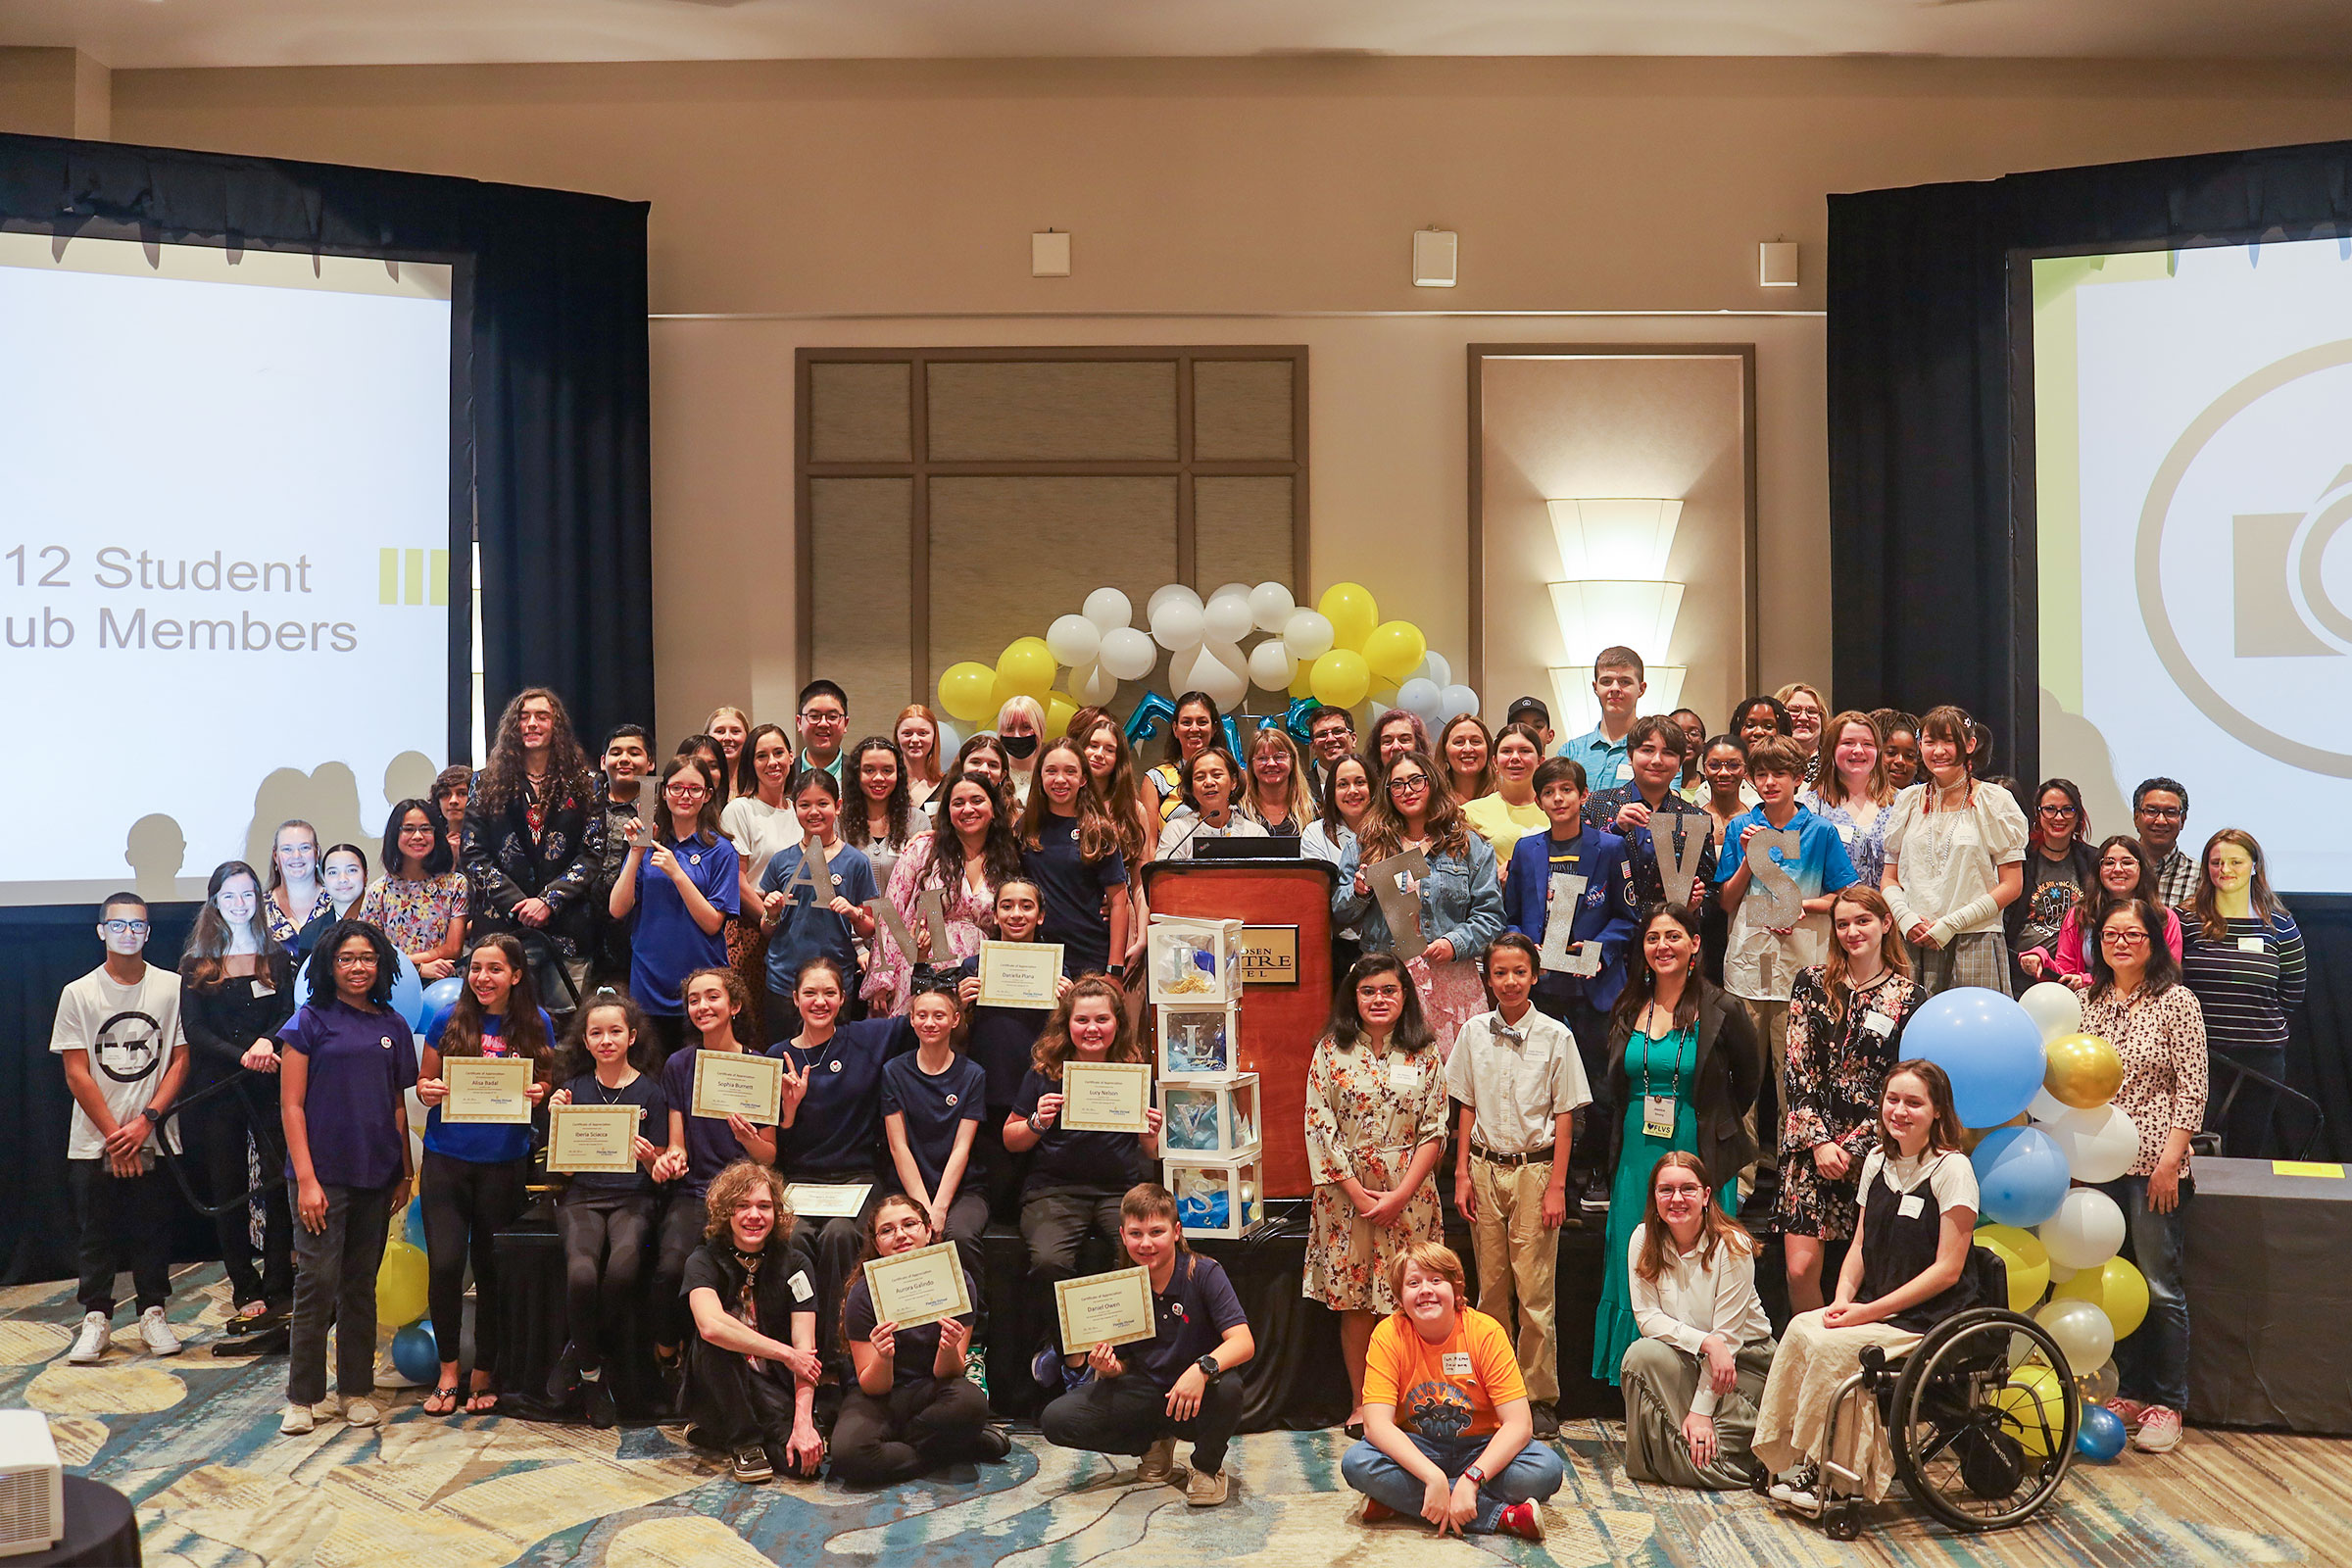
(1000,854)
(520,1029)
(730,1187)
(501,777)
(738,994)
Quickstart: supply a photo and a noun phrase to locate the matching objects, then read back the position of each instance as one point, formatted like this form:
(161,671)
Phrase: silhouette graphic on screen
(408,777)
(327,798)
(154,849)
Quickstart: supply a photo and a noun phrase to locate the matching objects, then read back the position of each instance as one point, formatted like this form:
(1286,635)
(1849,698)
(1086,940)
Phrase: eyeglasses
(1407,785)
(2125,939)
(2059,812)
(418,830)
(819,716)
(2164,814)
(684,792)
(354,960)
(117,928)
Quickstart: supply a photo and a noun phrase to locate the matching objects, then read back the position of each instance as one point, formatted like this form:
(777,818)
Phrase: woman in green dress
(1685,1064)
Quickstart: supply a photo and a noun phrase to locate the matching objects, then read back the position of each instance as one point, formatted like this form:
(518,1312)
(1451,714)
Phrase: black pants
(1056,1224)
(220,1127)
(1595,1124)
(124,1219)
(604,1250)
(335,1277)
(1007,1170)
(1128,1414)
(682,1220)
(967,1223)
(839,1242)
(730,1406)
(467,1204)
(2245,1126)
(915,1428)
(669,1030)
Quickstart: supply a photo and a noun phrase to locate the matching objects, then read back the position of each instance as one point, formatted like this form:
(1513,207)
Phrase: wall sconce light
(1437,253)
(1776,263)
(1614,590)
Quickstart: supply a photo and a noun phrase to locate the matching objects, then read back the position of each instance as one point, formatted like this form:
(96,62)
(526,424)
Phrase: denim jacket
(1460,902)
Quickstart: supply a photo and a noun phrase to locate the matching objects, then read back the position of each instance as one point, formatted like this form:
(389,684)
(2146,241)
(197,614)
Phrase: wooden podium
(1282,1018)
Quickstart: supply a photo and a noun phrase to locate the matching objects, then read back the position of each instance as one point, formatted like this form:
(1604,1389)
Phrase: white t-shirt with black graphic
(131,1033)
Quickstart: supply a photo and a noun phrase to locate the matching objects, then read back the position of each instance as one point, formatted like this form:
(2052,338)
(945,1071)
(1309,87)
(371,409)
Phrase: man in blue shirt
(1617,681)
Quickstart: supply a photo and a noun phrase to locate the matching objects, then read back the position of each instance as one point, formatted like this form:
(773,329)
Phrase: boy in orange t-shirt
(1446,1423)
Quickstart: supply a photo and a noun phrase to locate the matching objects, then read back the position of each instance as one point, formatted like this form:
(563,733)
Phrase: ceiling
(144,34)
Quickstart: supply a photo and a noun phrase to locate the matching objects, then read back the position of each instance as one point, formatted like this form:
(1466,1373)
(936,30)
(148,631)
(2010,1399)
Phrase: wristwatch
(1209,1366)
(1475,1475)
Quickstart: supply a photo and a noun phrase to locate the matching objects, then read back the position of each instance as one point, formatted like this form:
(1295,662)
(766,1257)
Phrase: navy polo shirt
(838,1129)
(1073,893)
(360,1064)
(936,1109)
(711,1144)
(1098,1162)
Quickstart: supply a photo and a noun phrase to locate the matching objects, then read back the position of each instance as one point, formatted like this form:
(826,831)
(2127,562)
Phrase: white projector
(32,1485)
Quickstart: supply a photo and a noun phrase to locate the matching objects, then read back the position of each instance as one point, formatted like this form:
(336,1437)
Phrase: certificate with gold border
(593,1138)
(492,1089)
(1019,974)
(736,1083)
(919,1287)
(1113,1308)
(1106,1096)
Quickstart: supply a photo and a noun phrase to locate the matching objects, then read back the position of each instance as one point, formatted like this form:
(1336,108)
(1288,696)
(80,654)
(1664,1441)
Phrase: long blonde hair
(1299,804)
(1484,782)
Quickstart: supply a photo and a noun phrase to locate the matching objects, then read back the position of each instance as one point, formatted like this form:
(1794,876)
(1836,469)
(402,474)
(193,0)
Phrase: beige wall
(54,92)
(1221,201)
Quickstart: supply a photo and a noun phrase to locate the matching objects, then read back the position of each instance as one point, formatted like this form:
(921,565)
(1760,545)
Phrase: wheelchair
(1980,1416)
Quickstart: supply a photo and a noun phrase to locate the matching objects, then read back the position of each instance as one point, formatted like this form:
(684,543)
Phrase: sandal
(447,1398)
(481,1402)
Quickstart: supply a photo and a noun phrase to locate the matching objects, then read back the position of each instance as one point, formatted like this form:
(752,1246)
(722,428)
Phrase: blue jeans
(2152,1365)
(1537,1472)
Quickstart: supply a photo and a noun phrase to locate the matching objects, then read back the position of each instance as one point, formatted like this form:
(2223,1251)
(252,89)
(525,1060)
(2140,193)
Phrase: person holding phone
(680,882)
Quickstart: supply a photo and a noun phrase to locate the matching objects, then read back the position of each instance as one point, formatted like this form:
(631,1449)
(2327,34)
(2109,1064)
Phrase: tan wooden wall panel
(1241,410)
(861,414)
(1053,410)
(860,533)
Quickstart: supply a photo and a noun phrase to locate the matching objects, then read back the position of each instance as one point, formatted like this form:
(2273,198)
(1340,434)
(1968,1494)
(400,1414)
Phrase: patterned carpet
(193,1440)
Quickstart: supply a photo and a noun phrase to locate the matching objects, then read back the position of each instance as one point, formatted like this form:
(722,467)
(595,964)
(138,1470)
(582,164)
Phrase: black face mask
(1020,748)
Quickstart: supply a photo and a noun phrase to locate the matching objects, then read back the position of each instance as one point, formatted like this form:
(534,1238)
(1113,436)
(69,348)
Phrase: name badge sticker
(801,1291)
(2250,945)
(1457,1363)
(1405,1075)
(1877,1023)
(1912,1205)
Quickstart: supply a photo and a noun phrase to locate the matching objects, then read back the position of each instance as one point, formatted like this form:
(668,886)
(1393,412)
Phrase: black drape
(549,471)
(1931,459)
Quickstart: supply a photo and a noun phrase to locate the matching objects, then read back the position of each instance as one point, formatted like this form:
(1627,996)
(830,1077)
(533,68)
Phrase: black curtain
(1931,472)
(549,471)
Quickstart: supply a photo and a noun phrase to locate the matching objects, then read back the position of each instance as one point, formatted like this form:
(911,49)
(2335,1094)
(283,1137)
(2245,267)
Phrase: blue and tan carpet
(193,1441)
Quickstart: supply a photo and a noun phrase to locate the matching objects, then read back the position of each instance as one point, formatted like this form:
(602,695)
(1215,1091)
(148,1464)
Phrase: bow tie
(1503,1031)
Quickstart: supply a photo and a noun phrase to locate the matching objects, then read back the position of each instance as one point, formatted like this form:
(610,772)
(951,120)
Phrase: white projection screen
(2192,417)
(225,554)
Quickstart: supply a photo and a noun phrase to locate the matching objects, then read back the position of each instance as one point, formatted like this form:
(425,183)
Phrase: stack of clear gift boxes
(1209,1136)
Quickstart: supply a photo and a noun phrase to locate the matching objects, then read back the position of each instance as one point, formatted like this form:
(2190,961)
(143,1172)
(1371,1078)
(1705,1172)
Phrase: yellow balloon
(1302,684)
(399,1284)
(1341,679)
(2028,1262)
(2082,1070)
(1971,1137)
(967,691)
(1353,614)
(1060,709)
(2032,1405)
(1394,648)
(1025,668)
(2116,1289)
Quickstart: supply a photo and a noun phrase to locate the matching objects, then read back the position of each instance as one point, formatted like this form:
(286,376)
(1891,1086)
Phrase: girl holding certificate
(964,860)
(910,1408)
(750,1376)
(474,1172)
(1376,1111)
(804,919)
(605,1218)
(699,1147)
(1070,847)
(682,907)
(933,1103)
(1001,1041)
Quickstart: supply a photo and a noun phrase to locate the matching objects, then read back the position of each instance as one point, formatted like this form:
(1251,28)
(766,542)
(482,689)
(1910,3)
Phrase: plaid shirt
(2176,879)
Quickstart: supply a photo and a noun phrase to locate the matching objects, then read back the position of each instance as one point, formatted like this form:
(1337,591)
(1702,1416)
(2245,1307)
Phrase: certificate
(592,1137)
(1114,1309)
(486,1089)
(1106,1096)
(919,1287)
(1019,974)
(827,1200)
(736,1083)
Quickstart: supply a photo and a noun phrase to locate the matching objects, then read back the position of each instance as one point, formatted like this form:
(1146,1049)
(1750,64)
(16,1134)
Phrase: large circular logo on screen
(2239,593)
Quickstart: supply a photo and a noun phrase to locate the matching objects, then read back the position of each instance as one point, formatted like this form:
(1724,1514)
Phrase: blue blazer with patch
(1604,914)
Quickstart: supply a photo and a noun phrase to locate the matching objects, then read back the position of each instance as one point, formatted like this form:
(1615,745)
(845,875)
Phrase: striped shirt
(2246,981)
(2161,1039)
(2176,879)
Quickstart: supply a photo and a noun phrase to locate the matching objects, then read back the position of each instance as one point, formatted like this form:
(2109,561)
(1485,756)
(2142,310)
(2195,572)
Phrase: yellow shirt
(1442,1391)
(1503,824)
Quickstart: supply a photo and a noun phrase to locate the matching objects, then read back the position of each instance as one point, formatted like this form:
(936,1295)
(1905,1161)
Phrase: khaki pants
(1771,1021)
(1518,1253)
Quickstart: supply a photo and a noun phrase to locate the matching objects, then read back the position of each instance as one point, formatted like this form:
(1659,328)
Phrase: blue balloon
(440,1001)
(1987,1045)
(1151,711)
(2021,1176)
(1295,718)
(407,991)
(415,1354)
(2102,1434)
(413,1226)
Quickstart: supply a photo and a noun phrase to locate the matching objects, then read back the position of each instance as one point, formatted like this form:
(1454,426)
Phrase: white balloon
(1435,669)
(1422,697)
(1177,623)
(2100,1144)
(2054,1007)
(1128,654)
(2081,1328)
(1091,683)
(1224,588)
(1163,594)
(1074,640)
(1108,608)
(1272,666)
(1216,669)
(1227,618)
(951,741)
(1307,634)
(2046,1108)
(1270,606)
(2087,1231)
(1459,700)
(2059,1272)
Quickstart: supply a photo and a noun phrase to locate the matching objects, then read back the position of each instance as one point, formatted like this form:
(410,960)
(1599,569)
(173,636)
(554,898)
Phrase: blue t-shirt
(711,1144)
(1073,893)
(361,1062)
(1192,1315)
(1822,865)
(936,1109)
(1064,1159)
(1608,764)
(808,929)
(838,1129)
(665,945)
(653,1125)
(482,1143)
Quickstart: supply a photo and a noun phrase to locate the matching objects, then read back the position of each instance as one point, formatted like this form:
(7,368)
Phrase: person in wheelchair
(1906,1272)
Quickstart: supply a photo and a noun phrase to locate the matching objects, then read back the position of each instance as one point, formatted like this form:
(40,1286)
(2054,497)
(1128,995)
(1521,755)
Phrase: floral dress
(971,920)
(1834,1074)
(1866,847)
(1366,1112)
(414,913)
(286,930)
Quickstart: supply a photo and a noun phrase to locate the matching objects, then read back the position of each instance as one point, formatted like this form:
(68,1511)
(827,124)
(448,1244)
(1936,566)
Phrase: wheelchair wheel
(1982,1420)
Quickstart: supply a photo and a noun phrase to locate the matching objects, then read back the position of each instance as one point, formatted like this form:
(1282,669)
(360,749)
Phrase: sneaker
(992,1442)
(329,1408)
(1796,1486)
(599,1400)
(1377,1511)
(157,1333)
(1205,1489)
(361,1413)
(1522,1520)
(1046,1367)
(752,1466)
(2159,1430)
(1547,1420)
(89,1345)
(2132,1412)
(975,1366)
(297,1421)
(1159,1464)
(563,1378)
